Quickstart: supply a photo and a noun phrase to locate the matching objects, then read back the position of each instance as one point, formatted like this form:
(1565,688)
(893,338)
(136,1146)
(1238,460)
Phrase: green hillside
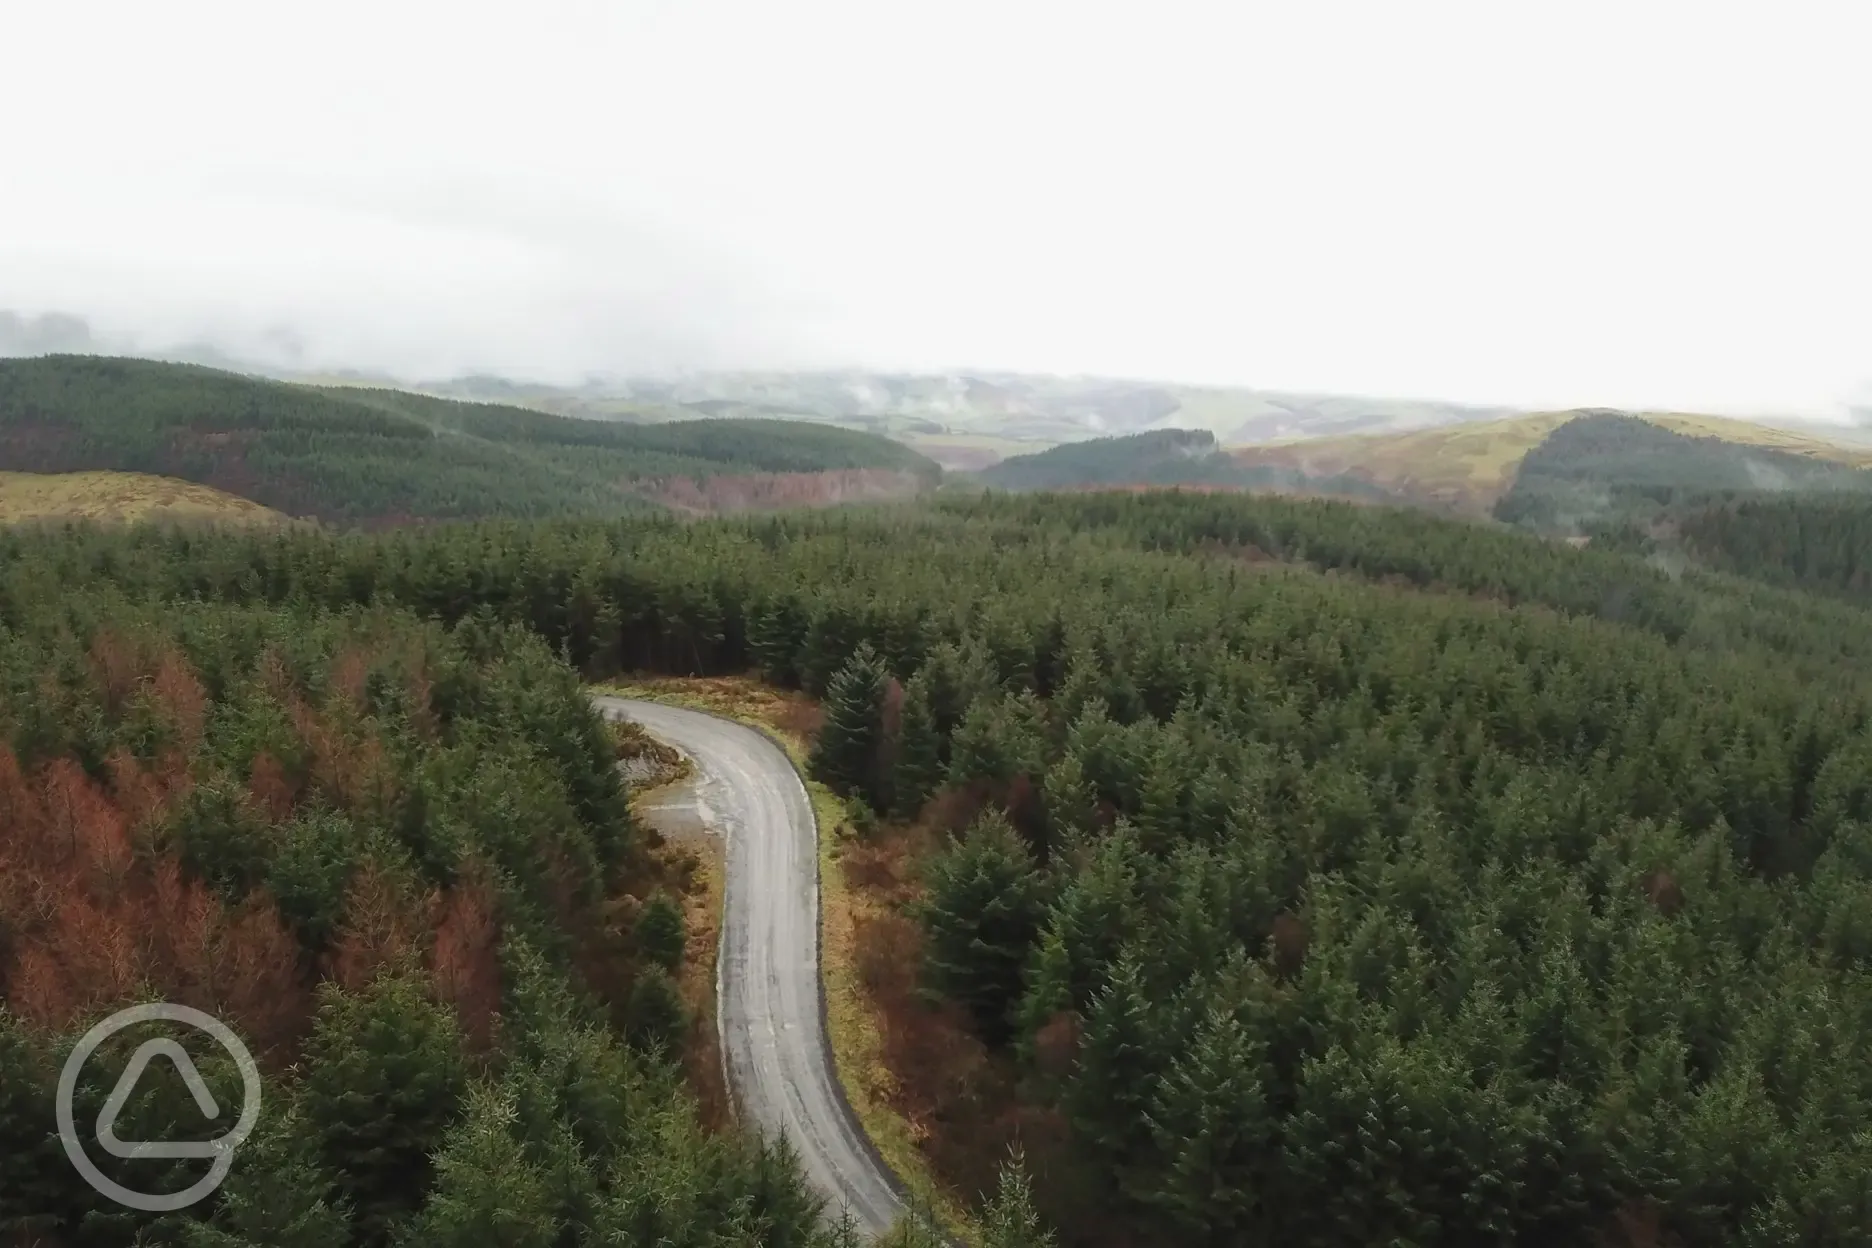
(1161,457)
(376,456)
(1606,467)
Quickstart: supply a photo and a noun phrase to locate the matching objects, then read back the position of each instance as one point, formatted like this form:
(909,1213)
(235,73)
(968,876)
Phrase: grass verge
(851,1018)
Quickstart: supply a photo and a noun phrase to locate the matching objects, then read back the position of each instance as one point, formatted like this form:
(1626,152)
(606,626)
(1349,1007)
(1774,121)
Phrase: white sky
(1632,203)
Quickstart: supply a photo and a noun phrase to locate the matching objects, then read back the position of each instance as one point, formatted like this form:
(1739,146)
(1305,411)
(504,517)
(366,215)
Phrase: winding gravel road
(769,1001)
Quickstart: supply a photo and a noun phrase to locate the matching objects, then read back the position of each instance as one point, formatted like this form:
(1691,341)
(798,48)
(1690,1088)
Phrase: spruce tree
(845,756)
(999,739)
(1218,1136)
(774,639)
(487,1193)
(384,1079)
(36,1181)
(1071,805)
(982,916)
(1095,914)
(654,1015)
(919,766)
(1009,1219)
(1119,1060)
(659,932)
(278,1194)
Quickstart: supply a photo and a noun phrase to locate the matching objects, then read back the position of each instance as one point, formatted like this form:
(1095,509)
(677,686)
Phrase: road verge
(850,1023)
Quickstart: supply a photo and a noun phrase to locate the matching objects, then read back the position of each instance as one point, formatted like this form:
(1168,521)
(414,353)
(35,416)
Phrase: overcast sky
(1631,203)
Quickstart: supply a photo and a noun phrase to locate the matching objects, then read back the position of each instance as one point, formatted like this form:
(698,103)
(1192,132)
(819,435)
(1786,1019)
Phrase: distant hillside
(1463,467)
(968,420)
(130,497)
(1469,467)
(380,456)
(1607,465)
(1163,457)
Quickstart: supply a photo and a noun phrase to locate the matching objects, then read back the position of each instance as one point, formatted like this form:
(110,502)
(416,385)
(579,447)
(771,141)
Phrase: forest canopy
(1331,874)
(396,856)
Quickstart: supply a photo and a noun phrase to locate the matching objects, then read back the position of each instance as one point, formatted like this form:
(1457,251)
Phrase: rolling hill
(1469,467)
(1463,467)
(360,456)
(969,420)
(1608,466)
(129,497)
(1163,457)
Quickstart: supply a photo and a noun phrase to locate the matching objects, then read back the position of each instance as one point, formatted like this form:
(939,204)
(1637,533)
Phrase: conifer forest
(1303,872)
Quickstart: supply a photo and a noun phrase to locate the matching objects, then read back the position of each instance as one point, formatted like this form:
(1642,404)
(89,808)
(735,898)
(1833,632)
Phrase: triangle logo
(126,1086)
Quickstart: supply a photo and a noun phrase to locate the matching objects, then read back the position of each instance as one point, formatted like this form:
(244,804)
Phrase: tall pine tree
(919,764)
(845,756)
(982,916)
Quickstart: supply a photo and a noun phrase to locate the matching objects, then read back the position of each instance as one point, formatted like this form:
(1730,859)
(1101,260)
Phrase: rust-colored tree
(464,956)
(380,930)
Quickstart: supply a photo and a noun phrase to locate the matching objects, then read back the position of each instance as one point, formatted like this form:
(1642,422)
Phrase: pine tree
(846,752)
(1217,1133)
(774,641)
(654,1016)
(959,677)
(384,1076)
(982,915)
(487,1194)
(919,767)
(1009,1219)
(1086,928)
(1071,804)
(998,740)
(278,1195)
(1119,1060)
(1160,818)
(829,644)
(659,932)
(36,1182)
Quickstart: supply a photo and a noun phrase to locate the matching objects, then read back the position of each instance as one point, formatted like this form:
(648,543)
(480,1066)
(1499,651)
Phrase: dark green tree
(1217,1134)
(1120,1060)
(384,1077)
(983,912)
(659,931)
(918,770)
(36,1183)
(654,1016)
(278,1195)
(845,755)
(487,1193)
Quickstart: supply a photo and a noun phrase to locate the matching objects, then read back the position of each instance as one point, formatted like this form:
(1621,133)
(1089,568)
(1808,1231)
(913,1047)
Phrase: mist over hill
(964,419)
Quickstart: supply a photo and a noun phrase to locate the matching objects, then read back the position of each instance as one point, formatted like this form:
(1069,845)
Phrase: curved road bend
(768,998)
